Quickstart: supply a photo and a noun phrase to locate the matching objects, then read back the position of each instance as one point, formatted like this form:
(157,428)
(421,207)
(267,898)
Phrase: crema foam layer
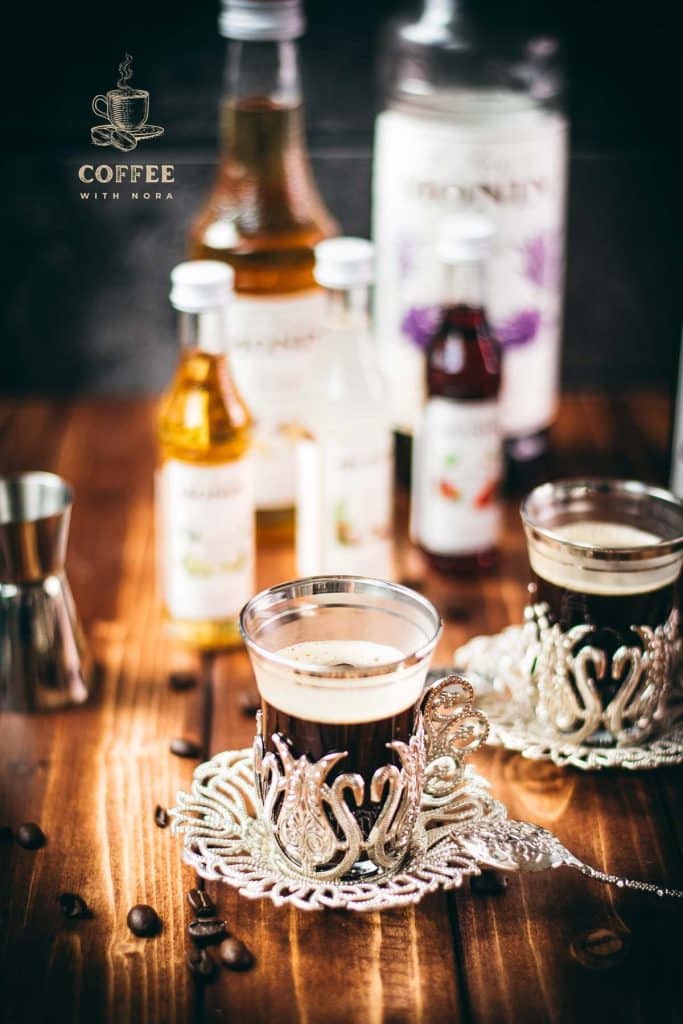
(338,700)
(598,576)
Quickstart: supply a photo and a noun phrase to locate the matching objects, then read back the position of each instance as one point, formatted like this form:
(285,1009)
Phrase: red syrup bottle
(458,450)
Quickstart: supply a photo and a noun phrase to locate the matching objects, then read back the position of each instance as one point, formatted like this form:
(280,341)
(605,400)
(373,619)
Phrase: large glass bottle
(473,124)
(205,502)
(264,217)
(457,451)
(345,479)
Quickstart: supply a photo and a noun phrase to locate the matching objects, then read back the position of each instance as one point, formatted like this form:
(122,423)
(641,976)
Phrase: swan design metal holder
(459,829)
(559,696)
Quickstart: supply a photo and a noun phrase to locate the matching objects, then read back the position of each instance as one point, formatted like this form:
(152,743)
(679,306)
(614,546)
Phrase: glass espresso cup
(340,663)
(605,559)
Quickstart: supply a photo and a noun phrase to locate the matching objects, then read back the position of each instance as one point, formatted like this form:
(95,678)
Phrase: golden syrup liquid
(264,216)
(203,421)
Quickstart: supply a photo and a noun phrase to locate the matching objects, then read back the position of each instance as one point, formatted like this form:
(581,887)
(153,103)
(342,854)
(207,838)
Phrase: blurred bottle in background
(473,123)
(458,444)
(345,469)
(676,472)
(264,216)
(205,500)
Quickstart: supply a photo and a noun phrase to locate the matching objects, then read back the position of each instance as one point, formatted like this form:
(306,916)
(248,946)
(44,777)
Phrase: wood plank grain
(531,952)
(93,777)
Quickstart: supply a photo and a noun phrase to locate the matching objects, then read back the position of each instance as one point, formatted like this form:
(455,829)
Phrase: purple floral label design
(542,256)
(419,324)
(519,329)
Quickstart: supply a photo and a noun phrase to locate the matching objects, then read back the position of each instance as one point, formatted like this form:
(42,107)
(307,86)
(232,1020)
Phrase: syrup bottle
(458,455)
(345,468)
(205,506)
(264,216)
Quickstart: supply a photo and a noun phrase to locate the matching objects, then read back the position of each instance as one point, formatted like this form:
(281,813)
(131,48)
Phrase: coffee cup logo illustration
(125,111)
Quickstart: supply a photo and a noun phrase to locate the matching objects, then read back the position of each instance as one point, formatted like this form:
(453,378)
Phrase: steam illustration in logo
(125,110)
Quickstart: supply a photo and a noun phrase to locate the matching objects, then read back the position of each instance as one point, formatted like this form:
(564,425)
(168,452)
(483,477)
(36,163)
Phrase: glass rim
(24,482)
(312,586)
(567,488)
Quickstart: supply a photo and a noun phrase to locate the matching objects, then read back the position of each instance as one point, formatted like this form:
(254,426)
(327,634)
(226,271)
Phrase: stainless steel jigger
(44,663)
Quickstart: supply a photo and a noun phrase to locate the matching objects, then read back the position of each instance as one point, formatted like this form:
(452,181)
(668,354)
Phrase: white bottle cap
(465,236)
(344,262)
(200,285)
(262,20)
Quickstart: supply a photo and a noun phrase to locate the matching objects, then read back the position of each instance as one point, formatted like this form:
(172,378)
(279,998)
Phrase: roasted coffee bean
(488,882)
(456,612)
(249,702)
(30,836)
(201,903)
(182,680)
(202,965)
(143,921)
(73,905)
(182,747)
(161,818)
(6,835)
(235,955)
(207,930)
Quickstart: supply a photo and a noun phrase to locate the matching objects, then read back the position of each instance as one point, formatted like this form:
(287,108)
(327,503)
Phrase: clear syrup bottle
(457,451)
(345,468)
(264,216)
(205,501)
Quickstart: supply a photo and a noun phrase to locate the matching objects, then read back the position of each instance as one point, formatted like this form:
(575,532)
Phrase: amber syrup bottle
(458,454)
(264,217)
(204,487)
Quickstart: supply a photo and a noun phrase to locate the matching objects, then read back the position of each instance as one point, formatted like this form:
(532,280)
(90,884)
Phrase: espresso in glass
(605,558)
(360,721)
(339,755)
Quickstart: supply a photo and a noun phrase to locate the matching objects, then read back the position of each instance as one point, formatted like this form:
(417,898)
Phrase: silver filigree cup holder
(342,741)
(314,823)
(459,831)
(591,677)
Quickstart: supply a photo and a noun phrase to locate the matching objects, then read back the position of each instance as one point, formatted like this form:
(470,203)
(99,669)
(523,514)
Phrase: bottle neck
(202,332)
(262,70)
(347,309)
(464,283)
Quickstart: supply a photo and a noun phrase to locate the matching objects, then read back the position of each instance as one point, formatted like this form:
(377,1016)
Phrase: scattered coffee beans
(235,955)
(202,965)
(488,882)
(73,905)
(201,903)
(182,747)
(206,930)
(143,921)
(30,836)
(161,818)
(182,680)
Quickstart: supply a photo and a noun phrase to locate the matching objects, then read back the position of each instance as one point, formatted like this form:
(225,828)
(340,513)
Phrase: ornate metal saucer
(552,720)
(458,833)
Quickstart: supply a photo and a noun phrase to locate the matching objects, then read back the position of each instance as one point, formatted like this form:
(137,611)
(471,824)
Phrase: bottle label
(206,538)
(345,507)
(512,170)
(457,468)
(273,343)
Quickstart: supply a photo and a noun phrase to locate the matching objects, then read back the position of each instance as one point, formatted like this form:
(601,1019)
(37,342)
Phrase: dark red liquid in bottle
(464,365)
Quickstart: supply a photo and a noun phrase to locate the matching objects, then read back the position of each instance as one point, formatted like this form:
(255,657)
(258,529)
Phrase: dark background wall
(85,307)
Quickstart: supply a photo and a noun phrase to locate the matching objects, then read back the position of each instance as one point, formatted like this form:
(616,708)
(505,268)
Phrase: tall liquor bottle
(345,479)
(205,503)
(457,452)
(473,124)
(264,217)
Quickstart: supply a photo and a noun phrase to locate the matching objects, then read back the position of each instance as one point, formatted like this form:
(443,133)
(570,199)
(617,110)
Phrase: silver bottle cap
(344,263)
(200,285)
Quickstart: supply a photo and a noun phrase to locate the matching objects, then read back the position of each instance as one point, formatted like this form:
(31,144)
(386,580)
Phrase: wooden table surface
(551,947)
